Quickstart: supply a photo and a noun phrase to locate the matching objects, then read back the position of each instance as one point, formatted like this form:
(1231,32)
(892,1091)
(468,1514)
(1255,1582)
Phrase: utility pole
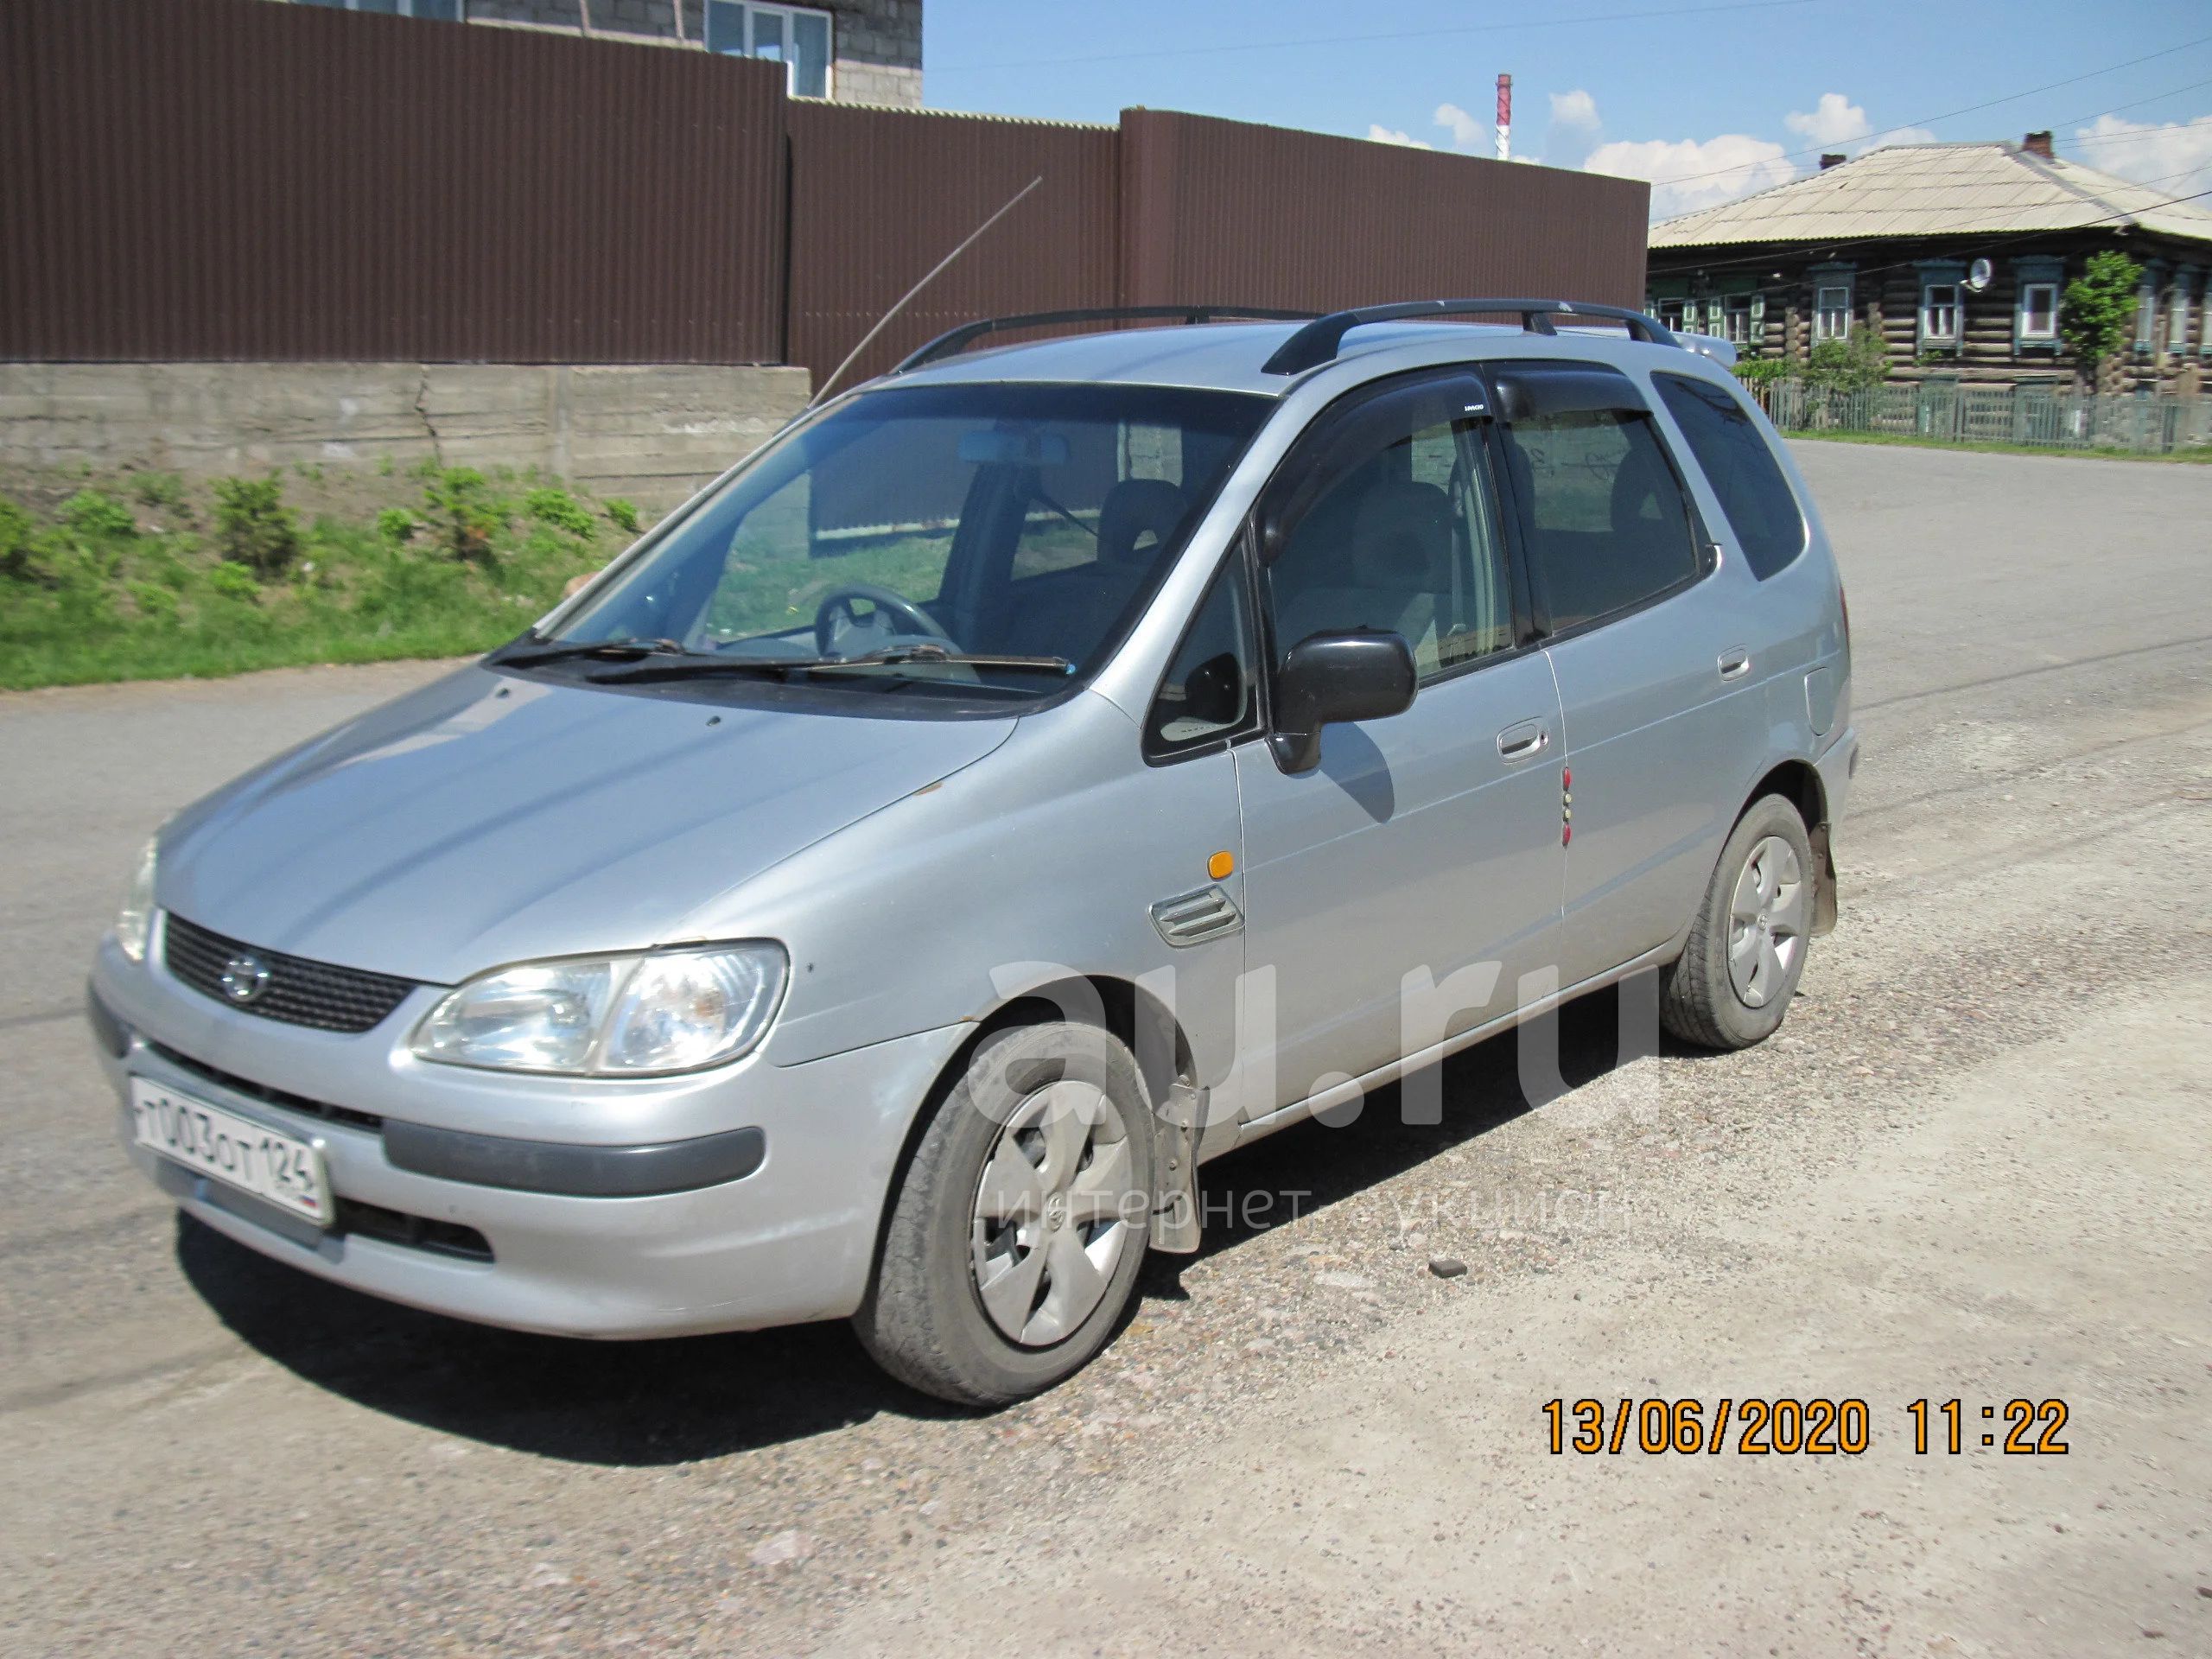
(1505,117)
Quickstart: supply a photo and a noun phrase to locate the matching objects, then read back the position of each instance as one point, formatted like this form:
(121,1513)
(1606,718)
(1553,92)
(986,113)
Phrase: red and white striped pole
(1505,117)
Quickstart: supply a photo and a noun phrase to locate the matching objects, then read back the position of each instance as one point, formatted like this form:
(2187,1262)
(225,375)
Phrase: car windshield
(989,537)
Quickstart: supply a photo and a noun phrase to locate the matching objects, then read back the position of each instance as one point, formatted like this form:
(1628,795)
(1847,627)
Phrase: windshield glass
(999,538)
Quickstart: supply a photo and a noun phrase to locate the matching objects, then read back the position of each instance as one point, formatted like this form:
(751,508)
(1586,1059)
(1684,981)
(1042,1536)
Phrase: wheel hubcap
(1053,1212)
(1766,923)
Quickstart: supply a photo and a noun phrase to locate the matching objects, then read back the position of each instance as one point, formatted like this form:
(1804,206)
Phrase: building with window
(1956,255)
(849,51)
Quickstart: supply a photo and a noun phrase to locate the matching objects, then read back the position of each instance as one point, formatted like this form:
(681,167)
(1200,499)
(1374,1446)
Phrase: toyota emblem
(244,977)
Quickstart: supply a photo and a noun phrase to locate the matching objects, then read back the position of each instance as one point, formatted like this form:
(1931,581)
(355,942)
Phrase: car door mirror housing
(1331,678)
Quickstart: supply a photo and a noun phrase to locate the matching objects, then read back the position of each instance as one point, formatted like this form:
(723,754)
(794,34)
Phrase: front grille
(262,1092)
(297,992)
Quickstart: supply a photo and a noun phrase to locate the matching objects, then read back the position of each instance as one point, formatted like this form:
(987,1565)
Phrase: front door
(1398,892)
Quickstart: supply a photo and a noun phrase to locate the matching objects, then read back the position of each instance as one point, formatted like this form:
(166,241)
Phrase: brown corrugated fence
(228,179)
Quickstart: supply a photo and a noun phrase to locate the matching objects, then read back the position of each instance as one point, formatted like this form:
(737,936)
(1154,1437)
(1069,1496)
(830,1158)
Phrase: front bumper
(730,1200)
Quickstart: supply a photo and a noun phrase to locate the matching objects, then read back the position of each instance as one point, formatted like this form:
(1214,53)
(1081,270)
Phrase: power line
(2003,239)
(1362,39)
(2010,97)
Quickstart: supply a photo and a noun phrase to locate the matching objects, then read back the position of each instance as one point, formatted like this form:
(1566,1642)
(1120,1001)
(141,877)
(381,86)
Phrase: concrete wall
(652,433)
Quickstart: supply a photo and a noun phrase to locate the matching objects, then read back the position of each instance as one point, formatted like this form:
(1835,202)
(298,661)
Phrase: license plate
(280,1168)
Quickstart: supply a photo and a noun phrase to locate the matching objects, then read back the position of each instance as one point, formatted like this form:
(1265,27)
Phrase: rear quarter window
(1732,453)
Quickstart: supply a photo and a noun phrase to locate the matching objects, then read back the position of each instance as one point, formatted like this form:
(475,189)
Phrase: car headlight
(611,1016)
(134,923)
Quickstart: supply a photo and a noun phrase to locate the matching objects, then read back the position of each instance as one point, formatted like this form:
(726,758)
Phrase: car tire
(1733,983)
(1015,1238)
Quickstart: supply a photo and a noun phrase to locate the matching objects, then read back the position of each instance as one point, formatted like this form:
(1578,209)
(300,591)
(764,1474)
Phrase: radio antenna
(868,338)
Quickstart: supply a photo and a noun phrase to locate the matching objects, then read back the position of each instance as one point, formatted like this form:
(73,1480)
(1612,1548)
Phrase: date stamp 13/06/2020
(1785,1425)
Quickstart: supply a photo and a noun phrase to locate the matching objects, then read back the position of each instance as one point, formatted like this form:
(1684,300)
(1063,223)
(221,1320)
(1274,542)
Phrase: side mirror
(1332,677)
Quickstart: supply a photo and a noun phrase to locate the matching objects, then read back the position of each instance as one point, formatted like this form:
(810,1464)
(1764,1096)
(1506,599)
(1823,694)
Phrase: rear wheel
(1733,982)
(1015,1240)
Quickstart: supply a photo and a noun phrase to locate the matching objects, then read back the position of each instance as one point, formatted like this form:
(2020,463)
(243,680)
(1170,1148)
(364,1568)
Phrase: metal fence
(228,180)
(2042,416)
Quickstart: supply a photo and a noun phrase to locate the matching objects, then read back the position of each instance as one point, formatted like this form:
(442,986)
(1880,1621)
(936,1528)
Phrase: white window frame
(749,9)
(1930,309)
(1671,312)
(1823,309)
(2028,331)
(2177,317)
(1736,320)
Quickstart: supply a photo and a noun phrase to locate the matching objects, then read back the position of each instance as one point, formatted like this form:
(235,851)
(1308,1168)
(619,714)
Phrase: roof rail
(954,339)
(1317,342)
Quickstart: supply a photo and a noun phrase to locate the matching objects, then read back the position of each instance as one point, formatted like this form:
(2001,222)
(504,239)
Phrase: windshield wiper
(696,667)
(612,651)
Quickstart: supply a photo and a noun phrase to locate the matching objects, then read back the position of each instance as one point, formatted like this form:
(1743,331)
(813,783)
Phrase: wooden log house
(1890,242)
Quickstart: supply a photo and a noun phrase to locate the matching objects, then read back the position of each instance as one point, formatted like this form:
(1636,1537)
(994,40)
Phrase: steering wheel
(910,617)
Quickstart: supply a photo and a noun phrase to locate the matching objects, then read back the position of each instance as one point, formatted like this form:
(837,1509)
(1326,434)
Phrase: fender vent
(1194,918)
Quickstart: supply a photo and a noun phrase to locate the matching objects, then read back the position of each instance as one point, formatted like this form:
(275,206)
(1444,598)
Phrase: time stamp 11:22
(1784,1426)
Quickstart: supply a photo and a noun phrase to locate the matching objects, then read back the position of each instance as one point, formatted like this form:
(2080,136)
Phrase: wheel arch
(1121,1007)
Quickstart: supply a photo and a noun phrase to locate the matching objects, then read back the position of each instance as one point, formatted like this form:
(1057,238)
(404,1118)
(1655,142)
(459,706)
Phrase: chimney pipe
(1505,117)
(1833,159)
(2039,143)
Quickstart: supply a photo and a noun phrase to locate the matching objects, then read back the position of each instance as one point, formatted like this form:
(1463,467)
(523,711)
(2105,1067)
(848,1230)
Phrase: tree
(2097,314)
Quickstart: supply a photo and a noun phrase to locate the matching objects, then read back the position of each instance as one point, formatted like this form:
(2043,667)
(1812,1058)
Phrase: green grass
(2198,455)
(132,582)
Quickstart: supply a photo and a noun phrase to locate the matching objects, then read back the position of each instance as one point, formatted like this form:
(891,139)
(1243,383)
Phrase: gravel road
(1971,1166)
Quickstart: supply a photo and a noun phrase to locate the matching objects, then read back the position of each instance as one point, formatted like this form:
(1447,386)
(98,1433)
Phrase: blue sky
(1710,100)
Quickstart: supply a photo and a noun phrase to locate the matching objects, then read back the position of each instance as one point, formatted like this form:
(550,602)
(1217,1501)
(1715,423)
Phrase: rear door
(1650,652)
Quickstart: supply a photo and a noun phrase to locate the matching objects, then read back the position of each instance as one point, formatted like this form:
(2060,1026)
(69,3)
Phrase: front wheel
(1015,1240)
(1746,951)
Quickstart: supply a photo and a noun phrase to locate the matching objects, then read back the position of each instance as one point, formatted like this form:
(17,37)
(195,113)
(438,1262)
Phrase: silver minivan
(1033,774)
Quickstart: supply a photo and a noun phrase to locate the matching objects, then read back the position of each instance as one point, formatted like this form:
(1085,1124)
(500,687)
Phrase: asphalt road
(1971,1167)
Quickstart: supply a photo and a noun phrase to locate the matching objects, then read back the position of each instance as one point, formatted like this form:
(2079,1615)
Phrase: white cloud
(1466,132)
(1574,109)
(1897,136)
(2173,158)
(1383,135)
(1834,120)
(1690,175)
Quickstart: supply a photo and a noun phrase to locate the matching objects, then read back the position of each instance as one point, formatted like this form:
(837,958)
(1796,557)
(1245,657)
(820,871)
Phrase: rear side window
(1602,515)
(1736,462)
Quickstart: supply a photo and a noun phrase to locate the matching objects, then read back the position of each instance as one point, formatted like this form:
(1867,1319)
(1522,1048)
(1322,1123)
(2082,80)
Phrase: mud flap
(1175,1200)
(1824,894)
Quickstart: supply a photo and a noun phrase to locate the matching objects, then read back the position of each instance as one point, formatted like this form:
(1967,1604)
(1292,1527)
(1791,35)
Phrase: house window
(791,35)
(2039,311)
(1736,320)
(444,11)
(1832,311)
(2177,317)
(1939,313)
(1669,312)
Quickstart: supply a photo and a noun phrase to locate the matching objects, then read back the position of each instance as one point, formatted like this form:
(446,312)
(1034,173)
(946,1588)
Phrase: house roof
(1917,190)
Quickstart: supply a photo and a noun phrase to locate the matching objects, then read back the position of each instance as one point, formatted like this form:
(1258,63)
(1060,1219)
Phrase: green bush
(98,514)
(2096,316)
(397,525)
(466,512)
(556,507)
(1760,370)
(234,580)
(1849,365)
(253,527)
(622,514)
(162,490)
(16,530)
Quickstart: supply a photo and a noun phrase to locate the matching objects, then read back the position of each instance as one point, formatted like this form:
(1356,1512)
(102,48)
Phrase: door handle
(1735,663)
(1521,742)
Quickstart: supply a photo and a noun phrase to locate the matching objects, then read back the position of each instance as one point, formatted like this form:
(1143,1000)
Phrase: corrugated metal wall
(223,179)
(230,179)
(1302,219)
(880,196)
